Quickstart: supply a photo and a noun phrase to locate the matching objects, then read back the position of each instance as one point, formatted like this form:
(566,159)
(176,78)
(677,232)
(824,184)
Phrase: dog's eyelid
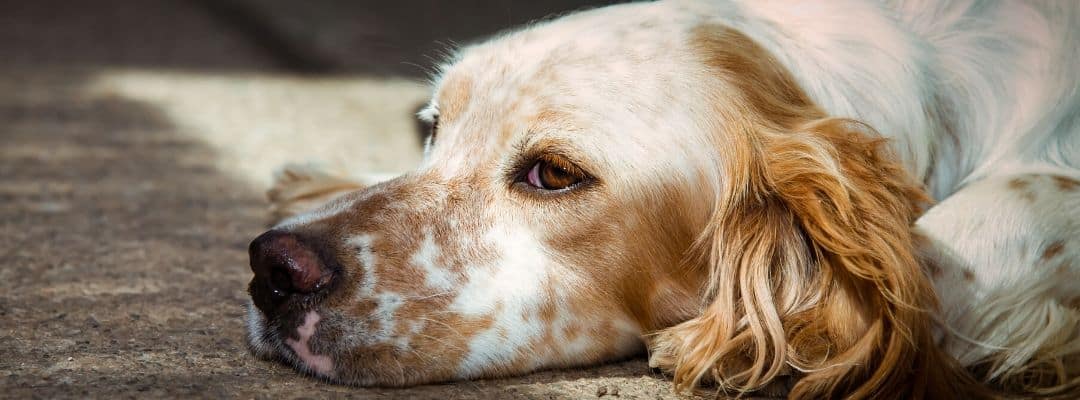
(536,146)
(555,153)
(429,114)
(429,118)
(563,163)
(534,166)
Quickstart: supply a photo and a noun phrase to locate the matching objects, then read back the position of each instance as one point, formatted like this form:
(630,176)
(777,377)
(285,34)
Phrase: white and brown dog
(737,188)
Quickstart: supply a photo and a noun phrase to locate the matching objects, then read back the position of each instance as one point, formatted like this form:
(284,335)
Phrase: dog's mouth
(293,275)
(288,339)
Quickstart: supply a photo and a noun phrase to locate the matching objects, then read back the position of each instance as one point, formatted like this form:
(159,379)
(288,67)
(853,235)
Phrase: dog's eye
(553,174)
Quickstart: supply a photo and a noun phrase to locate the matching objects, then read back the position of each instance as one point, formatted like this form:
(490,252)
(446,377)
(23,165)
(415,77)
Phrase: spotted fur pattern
(857,199)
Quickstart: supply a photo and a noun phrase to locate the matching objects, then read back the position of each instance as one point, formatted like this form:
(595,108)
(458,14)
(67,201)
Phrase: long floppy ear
(811,267)
(811,260)
(812,273)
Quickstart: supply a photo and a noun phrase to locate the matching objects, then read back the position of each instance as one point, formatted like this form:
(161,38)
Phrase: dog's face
(610,180)
(547,227)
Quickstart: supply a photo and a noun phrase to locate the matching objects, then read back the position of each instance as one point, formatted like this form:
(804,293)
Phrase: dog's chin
(262,341)
(265,342)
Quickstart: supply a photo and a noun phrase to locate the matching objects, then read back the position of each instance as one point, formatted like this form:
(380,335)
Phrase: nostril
(287,265)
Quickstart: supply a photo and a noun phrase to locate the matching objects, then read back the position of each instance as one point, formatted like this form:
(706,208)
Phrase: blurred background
(261,81)
(136,140)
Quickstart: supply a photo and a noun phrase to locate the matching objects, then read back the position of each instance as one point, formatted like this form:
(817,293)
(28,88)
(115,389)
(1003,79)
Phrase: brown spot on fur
(454,96)
(1019,183)
(767,85)
(1064,268)
(570,332)
(398,214)
(1073,303)
(969,275)
(1066,184)
(547,117)
(1023,186)
(934,269)
(1053,250)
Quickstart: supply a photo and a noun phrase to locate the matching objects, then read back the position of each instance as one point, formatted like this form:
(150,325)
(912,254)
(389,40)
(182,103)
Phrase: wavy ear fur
(812,270)
(813,273)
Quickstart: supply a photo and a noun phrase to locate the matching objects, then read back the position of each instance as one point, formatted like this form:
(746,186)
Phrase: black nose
(284,265)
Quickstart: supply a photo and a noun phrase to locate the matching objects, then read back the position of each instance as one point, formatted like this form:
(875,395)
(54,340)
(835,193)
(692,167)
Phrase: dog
(820,199)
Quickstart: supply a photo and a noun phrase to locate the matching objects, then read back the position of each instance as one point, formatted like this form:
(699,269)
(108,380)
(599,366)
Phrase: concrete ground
(136,139)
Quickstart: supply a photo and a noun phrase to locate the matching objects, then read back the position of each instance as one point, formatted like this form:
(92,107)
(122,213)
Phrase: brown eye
(550,175)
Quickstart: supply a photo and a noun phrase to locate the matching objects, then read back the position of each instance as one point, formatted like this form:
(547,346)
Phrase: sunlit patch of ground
(127,200)
(258,122)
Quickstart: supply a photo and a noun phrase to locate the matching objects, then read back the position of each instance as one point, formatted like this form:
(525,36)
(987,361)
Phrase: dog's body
(691,174)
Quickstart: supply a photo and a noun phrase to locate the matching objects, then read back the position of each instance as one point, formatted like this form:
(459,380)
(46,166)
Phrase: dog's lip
(288,339)
(320,364)
(295,347)
(274,303)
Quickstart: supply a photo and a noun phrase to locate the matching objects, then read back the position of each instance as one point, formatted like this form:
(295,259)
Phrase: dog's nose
(286,265)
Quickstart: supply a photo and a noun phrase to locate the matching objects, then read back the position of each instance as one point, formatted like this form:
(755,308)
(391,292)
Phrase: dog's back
(1007,75)
(1004,232)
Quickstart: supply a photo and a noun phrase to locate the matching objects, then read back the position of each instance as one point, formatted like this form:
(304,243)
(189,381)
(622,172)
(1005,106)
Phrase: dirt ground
(136,138)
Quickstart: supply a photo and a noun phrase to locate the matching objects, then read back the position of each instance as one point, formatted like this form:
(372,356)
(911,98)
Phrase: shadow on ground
(122,239)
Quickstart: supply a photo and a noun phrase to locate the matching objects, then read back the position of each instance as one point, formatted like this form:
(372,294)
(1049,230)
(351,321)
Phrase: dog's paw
(298,188)
(675,352)
(661,352)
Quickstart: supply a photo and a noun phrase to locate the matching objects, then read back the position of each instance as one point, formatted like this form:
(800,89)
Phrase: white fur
(972,94)
(509,289)
(256,331)
(362,244)
(388,303)
(435,276)
(1014,303)
(512,289)
(968,92)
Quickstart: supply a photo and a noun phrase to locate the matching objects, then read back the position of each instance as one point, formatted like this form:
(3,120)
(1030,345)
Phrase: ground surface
(136,138)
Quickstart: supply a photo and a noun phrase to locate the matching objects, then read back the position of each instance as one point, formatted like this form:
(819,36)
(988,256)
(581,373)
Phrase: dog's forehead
(595,53)
(596,82)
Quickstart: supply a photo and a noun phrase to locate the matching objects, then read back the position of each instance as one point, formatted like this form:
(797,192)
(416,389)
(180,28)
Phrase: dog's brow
(429,113)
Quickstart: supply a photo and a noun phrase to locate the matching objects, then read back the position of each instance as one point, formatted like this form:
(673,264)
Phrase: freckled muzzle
(420,280)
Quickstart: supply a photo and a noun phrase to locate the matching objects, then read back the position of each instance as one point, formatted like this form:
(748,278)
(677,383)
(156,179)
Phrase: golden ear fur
(812,273)
(812,270)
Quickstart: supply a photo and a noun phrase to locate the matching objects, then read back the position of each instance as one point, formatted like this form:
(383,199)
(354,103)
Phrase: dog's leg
(1004,256)
(301,188)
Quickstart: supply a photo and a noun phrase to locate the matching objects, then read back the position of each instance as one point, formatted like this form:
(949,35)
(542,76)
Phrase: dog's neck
(927,86)
(874,75)
(928,80)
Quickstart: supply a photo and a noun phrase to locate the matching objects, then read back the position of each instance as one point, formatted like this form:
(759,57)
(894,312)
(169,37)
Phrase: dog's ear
(812,273)
(811,262)
(301,188)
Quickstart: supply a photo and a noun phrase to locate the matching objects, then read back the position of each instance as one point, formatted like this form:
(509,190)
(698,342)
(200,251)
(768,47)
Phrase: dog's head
(610,181)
